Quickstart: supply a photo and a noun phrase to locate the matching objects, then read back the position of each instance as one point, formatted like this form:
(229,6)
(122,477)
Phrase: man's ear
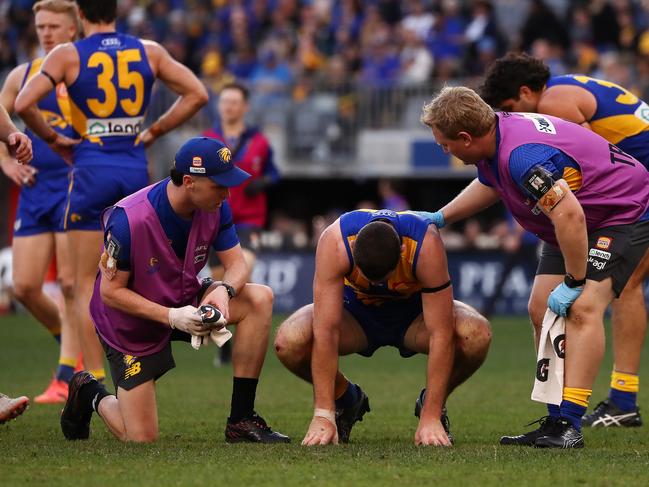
(524,91)
(465,137)
(403,248)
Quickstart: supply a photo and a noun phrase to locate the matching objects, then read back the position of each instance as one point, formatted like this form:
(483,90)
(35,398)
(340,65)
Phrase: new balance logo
(134,369)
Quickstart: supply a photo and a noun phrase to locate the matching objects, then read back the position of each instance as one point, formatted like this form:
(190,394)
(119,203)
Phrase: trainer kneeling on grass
(156,241)
(381,279)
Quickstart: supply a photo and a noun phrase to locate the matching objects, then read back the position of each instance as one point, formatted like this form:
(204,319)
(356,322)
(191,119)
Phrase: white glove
(188,320)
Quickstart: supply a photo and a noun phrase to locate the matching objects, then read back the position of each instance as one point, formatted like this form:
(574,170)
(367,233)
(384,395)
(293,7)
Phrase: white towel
(548,383)
(219,337)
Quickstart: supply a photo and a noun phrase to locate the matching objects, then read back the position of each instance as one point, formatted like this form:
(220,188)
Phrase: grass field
(193,404)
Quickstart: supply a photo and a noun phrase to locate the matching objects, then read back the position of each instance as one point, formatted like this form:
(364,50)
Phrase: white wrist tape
(326,414)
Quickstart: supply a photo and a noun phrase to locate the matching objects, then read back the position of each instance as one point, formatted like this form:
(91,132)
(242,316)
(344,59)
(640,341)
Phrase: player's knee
(261,300)
(474,335)
(291,346)
(143,435)
(583,311)
(537,310)
(25,291)
(67,287)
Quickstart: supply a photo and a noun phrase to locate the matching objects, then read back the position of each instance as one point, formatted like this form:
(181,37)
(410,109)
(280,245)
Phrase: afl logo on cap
(225,155)
(197,161)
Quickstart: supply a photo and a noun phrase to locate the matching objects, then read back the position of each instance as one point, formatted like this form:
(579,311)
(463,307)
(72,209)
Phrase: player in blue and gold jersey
(521,83)
(109,78)
(381,279)
(38,228)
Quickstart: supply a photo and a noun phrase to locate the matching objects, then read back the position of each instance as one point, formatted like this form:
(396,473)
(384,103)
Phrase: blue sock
(349,397)
(64,373)
(573,413)
(553,410)
(626,401)
(57,337)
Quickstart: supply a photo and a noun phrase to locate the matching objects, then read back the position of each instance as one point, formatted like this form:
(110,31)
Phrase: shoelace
(542,421)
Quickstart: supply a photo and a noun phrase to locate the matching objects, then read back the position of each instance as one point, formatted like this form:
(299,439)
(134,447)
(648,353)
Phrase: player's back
(621,117)
(55,108)
(109,99)
(402,283)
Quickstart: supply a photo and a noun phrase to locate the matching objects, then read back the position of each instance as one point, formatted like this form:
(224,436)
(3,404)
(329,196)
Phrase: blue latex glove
(562,297)
(436,218)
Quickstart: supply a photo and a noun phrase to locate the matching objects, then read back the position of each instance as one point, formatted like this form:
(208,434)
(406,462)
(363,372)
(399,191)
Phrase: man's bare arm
(473,199)
(177,77)
(432,273)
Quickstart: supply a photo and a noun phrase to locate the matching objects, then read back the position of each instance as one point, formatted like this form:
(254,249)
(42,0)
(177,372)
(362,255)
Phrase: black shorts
(613,252)
(249,238)
(129,371)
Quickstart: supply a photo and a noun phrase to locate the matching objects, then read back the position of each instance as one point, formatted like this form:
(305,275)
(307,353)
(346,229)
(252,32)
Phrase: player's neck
(179,204)
(91,29)
(233,129)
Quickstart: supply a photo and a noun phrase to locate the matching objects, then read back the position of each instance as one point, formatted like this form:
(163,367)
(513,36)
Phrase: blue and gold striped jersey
(109,98)
(621,117)
(55,108)
(403,283)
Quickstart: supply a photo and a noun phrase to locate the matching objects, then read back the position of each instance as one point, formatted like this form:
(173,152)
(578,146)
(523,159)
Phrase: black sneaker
(606,414)
(565,435)
(547,425)
(446,423)
(75,418)
(253,430)
(347,417)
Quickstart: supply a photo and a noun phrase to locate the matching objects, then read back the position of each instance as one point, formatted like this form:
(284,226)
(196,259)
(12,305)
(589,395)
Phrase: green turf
(193,403)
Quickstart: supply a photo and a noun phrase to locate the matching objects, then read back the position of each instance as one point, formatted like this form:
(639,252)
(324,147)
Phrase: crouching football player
(381,279)
(156,241)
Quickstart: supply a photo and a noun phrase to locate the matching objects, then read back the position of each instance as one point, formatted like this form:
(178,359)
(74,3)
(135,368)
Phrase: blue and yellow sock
(349,397)
(65,370)
(553,410)
(100,374)
(574,405)
(624,390)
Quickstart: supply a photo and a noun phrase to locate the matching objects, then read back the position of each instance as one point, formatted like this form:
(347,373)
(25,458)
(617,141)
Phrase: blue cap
(204,156)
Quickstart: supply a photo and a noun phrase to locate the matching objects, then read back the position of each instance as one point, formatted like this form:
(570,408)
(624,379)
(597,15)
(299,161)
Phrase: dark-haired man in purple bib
(146,295)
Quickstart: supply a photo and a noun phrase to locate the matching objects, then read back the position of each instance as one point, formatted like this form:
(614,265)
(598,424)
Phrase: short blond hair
(458,109)
(60,7)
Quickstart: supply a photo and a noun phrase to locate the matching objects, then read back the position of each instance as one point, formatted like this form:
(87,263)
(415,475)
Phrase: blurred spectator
(543,23)
(391,197)
(417,20)
(416,62)
(484,40)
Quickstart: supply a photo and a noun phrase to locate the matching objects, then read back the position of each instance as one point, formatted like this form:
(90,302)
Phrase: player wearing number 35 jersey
(108,77)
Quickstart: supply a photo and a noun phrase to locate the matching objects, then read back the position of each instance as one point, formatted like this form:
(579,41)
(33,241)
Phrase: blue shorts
(385,324)
(93,188)
(41,207)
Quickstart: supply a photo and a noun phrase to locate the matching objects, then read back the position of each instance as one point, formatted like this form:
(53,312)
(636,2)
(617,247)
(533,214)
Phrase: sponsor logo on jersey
(111,127)
(597,264)
(111,42)
(541,123)
(603,243)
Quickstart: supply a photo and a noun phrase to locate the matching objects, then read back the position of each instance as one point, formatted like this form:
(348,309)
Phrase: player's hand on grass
(64,146)
(187,319)
(20,147)
(322,431)
(20,174)
(431,433)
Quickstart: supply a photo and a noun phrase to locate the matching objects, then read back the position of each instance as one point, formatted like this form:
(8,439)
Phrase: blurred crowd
(285,48)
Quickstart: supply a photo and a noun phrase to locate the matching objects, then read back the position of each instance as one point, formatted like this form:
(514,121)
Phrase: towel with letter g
(548,383)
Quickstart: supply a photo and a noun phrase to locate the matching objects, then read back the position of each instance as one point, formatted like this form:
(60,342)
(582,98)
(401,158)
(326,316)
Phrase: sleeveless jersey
(621,117)
(55,108)
(109,99)
(403,283)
